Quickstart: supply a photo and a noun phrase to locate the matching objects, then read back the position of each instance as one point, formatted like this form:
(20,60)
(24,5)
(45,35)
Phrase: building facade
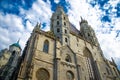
(65,53)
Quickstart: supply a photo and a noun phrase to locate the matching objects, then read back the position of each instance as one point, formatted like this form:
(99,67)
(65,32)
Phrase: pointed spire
(83,21)
(37,24)
(18,41)
(113,61)
(81,18)
(37,27)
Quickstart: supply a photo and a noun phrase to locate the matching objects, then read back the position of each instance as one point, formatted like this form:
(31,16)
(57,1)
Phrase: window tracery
(42,74)
(46,46)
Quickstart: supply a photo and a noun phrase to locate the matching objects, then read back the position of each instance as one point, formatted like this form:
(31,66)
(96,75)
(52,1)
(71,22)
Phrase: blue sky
(18,18)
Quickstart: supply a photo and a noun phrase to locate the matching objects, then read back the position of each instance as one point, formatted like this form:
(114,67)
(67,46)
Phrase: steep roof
(16,44)
(73,29)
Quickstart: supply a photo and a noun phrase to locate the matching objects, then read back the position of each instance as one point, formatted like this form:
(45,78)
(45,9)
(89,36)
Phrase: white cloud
(56,1)
(40,12)
(12,28)
(13,22)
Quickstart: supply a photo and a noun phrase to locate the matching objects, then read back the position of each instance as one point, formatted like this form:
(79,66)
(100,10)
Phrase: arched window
(57,17)
(65,31)
(70,75)
(57,22)
(58,30)
(68,58)
(46,46)
(13,53)
(64,18)
(65,39)
(42,74)
(64,23)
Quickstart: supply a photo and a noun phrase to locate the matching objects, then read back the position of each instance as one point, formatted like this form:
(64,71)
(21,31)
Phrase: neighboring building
(4,57)
(9,62)
(65,53)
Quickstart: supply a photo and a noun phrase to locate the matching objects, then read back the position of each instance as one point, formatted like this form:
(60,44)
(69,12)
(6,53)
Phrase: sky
(19,17)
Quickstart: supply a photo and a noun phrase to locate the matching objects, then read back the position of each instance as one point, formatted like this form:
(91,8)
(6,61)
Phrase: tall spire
(83,21)
(81,18)
(113,61)
(18,41)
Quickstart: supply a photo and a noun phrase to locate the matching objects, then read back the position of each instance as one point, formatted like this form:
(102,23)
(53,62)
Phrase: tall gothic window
(64,23)
(65,39)
(46,46)
(42,74)
(57,17)
(65,31)
(69,75)
(64,18)
(58,30)
(68,58)
(57,22)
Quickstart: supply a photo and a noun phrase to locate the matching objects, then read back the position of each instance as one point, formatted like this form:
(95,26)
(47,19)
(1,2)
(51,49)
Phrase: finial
(81,18)
(113,60)
(39,25)
(18,41)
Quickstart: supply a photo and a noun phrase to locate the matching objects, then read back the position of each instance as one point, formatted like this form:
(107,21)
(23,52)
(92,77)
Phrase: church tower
(9,71)
(87,32)
(60,25)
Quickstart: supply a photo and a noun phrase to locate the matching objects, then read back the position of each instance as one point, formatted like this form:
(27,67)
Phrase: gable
(66,54)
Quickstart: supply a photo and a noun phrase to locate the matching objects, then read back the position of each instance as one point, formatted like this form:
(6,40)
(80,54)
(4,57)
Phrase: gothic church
(65,53)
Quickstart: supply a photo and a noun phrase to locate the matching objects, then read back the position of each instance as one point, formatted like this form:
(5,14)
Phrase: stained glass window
(46,46)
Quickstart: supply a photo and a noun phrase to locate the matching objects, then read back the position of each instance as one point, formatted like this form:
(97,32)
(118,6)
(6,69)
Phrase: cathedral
(63,53)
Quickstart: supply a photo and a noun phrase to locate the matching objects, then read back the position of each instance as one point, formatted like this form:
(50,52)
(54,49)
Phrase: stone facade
(65,53)
(5,55)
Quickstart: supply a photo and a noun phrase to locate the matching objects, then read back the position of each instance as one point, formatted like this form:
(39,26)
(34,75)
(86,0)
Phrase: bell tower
(60,25)
(88,32)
